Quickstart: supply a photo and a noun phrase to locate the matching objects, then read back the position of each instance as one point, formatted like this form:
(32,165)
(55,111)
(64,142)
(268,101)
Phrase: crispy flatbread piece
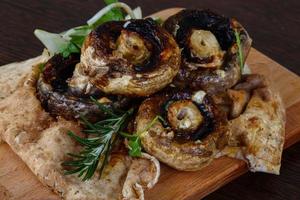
(257,135)
(41,141)
(13,75)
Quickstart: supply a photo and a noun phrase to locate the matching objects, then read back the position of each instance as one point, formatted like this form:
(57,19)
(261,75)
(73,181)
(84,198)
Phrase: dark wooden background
(273,24)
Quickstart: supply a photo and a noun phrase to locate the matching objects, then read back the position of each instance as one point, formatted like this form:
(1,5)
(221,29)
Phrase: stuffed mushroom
(132,58)
(209,49)
(57,98)
(190,133)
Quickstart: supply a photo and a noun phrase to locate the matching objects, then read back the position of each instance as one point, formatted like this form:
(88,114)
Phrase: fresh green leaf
(134,140)
(78,40)
(115,14)
(135,147)
(66,41)
(107,2)
(240,52)
(71,48)
(42,67)
(94,21)
(52,41)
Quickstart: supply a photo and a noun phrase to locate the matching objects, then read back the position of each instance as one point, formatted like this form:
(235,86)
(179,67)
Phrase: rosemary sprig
(238,42)
(98,145)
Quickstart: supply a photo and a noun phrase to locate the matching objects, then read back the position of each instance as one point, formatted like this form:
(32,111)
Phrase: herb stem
(240,52)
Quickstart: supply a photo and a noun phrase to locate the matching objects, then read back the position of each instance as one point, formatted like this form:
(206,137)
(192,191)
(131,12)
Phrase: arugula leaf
(114,14)
(110,1)
(71,40)
(42,67)
(134,140)
(52,41)
(71,48)
(135,146)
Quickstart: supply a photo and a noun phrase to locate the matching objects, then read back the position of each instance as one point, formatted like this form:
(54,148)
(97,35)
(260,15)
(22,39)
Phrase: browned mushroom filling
(137,41)
(132,47)
(132,58)
(209,51)
(204,37)
(234,100)
(58,100)
(190,116)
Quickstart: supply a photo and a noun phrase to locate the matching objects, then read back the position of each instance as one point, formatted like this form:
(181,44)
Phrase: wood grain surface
(274,31)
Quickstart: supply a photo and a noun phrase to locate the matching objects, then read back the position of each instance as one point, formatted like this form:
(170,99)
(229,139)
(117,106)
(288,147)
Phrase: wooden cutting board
(17,181)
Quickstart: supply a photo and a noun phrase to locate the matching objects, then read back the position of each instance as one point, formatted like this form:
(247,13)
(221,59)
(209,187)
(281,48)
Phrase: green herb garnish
(240,52)
(134,140)
(158,20)
(71,41)
(97,146)
(42,67)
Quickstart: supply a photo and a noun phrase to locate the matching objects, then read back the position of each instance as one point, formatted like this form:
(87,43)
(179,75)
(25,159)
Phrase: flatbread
(257,135)
(42,143)
(13,75)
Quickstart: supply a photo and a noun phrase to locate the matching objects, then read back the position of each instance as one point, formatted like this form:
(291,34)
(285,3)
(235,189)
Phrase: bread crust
(41,141)
(257,135)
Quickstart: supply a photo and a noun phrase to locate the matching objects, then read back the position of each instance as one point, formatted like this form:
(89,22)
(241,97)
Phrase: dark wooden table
(273,24)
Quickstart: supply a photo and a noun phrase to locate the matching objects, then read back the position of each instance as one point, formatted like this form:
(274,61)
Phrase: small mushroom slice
(239,99)
(190,134)
(210,59)
(143,174)
(250,82)
(132,58)
(257,135)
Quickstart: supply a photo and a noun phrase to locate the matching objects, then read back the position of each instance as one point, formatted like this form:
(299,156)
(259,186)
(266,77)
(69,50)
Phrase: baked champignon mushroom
(190,134)
(210,59)
(55,96)
(132,58)
(234,101)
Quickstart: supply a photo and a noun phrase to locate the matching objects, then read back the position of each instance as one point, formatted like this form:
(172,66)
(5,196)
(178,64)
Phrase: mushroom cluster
(120,61)
(187,71)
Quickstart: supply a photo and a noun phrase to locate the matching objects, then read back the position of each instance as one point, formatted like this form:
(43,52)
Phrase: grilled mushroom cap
(209,50)
(189,136)
(133,58)
(57,99)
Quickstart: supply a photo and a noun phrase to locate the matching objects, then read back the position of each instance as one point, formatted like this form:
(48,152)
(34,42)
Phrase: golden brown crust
(116,75)
(257,135)
(160,141)
(217,78)
(42,143)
